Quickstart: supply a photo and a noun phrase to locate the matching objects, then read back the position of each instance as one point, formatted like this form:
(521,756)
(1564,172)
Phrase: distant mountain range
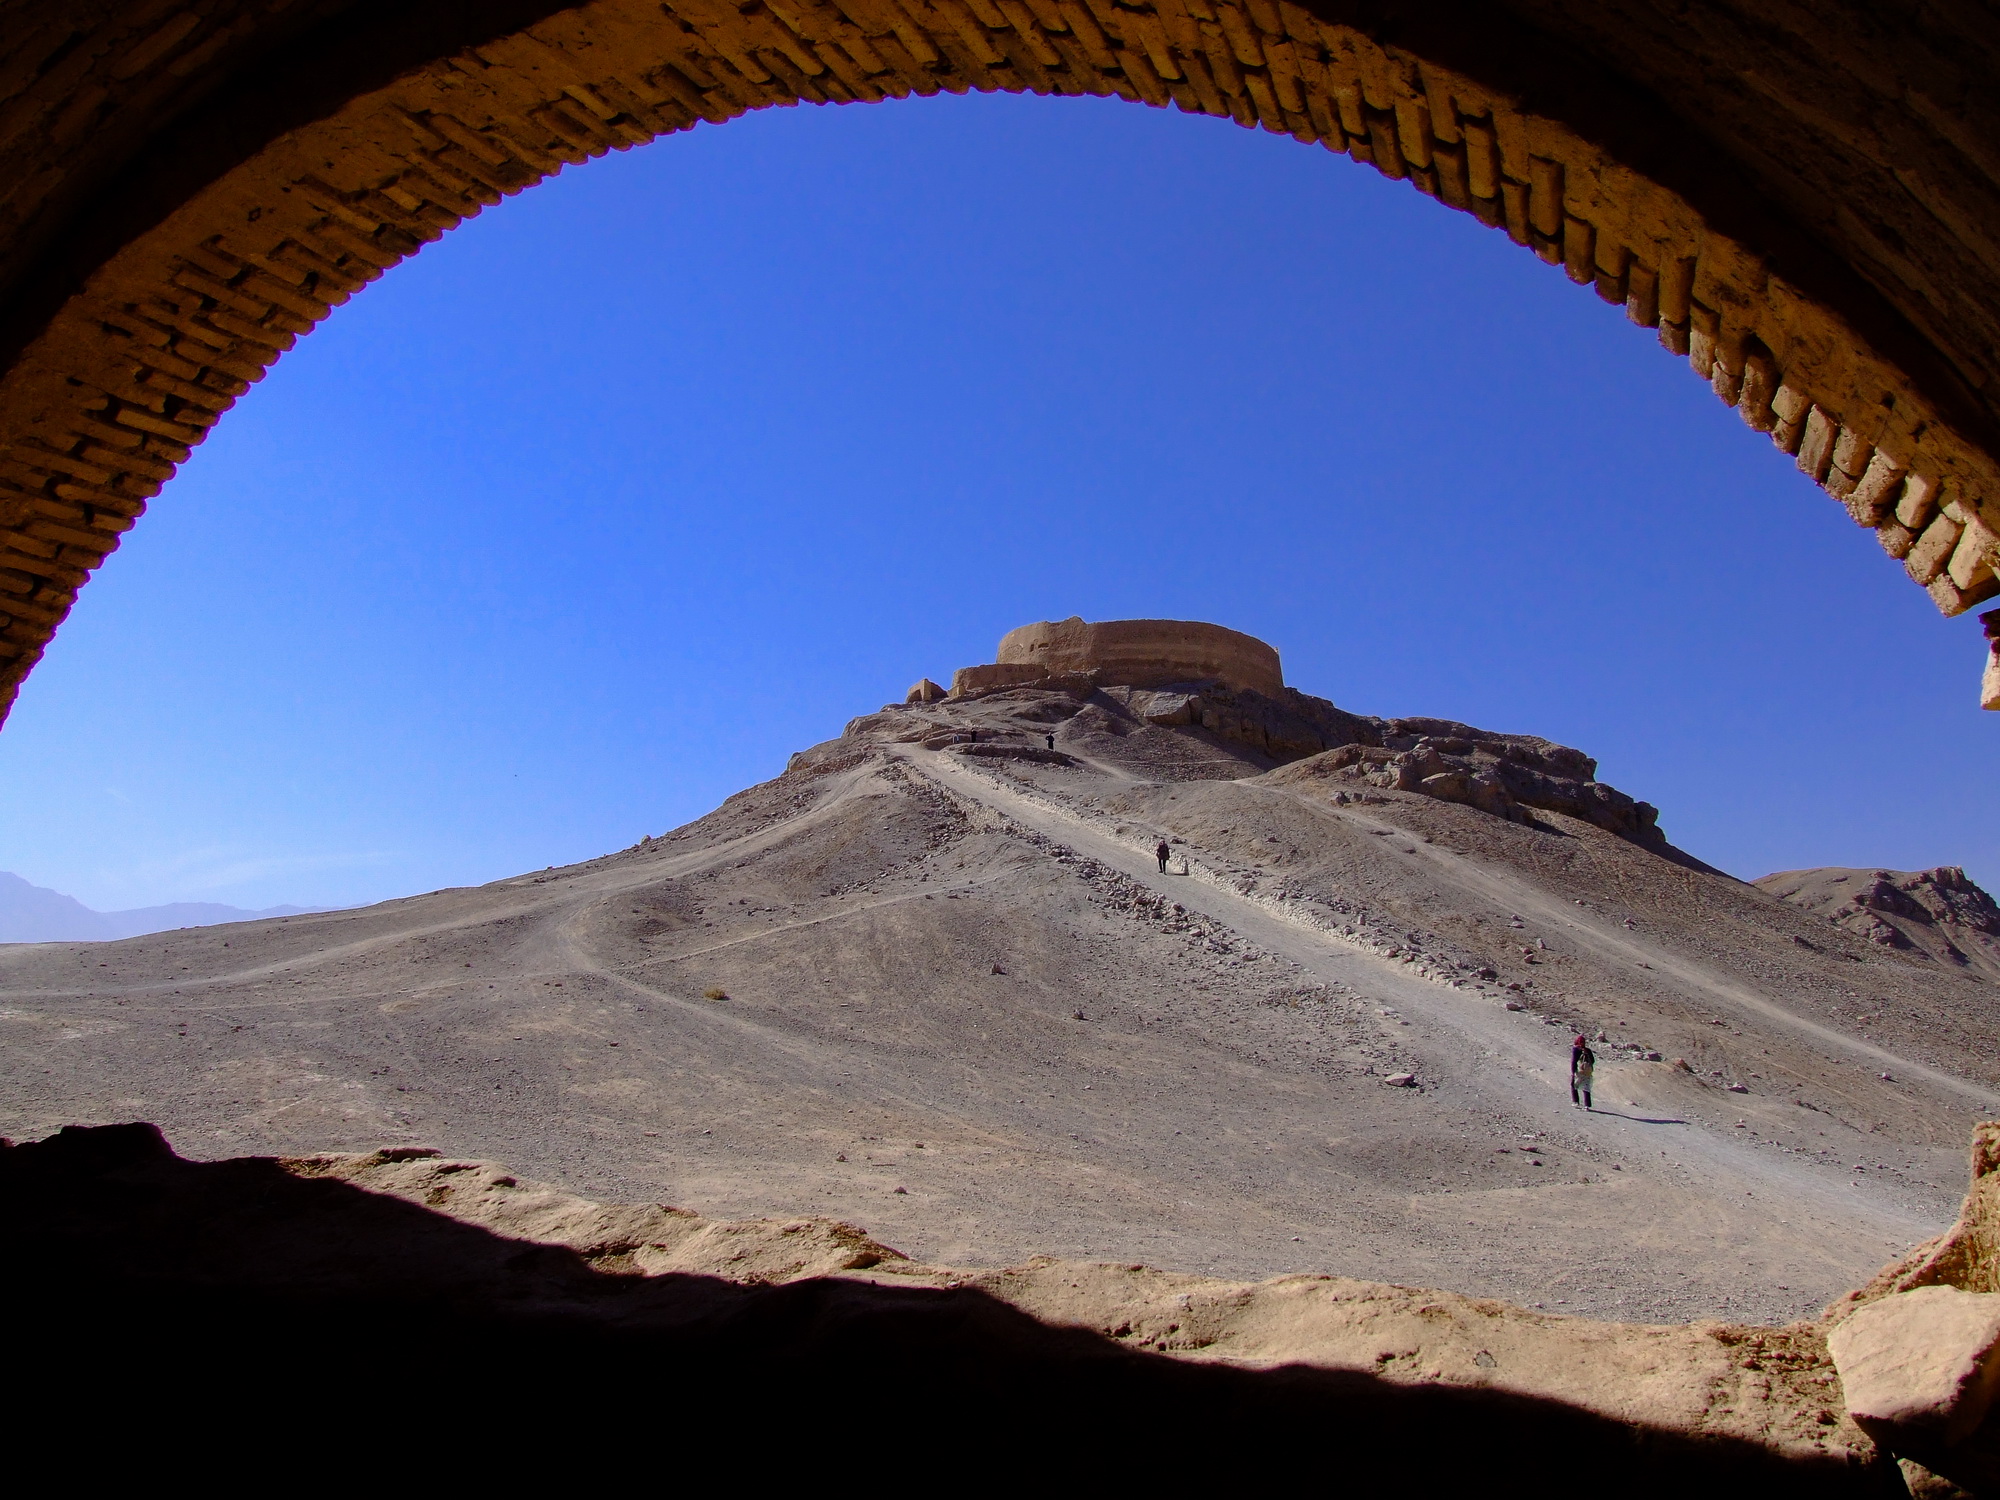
(35,914)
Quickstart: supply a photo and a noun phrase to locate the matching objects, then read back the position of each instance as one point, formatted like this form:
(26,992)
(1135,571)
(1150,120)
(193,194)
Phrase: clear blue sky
(593,512)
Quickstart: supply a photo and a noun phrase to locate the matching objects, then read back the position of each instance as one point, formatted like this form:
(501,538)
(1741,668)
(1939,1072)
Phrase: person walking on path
(1161,854)
(1582,1065)
(1051,739)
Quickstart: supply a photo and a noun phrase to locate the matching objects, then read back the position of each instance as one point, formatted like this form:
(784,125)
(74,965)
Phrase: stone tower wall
(1146,653)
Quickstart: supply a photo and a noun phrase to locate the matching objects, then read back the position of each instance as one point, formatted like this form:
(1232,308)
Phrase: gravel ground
(952,999)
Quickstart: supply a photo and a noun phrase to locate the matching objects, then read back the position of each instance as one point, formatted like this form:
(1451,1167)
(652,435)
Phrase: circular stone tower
(1146,653)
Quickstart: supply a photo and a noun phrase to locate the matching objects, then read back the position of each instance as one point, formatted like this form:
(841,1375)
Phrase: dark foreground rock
(395,1313)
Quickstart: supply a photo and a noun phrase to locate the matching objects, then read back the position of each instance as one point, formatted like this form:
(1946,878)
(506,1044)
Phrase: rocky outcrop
(1924,1369)
(1938,914)
(1919,1368)
(1180,674)
(1284,728)
(1508,776)
(1967,1255)
(970,682)
(1505,775)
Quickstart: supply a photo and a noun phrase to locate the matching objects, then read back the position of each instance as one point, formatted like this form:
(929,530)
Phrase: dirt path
(907,939)
(1516,1064)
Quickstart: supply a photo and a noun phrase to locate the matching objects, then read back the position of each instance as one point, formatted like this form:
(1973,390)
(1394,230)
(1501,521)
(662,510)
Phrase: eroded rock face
(1938,914)
(1507,775)
(1920,1367)
(1502,774)
(1937,1410)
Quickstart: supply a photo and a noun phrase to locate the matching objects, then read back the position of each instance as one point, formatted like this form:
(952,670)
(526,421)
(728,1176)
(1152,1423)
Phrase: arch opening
(161,332)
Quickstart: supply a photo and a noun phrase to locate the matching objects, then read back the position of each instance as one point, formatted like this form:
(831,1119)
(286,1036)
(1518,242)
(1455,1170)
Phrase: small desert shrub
(715,992)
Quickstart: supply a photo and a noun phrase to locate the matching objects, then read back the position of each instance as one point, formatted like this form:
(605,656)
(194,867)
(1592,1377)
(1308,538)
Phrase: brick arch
(147,301)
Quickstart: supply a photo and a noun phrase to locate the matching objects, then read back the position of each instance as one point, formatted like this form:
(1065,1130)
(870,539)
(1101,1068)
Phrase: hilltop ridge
(1937,914)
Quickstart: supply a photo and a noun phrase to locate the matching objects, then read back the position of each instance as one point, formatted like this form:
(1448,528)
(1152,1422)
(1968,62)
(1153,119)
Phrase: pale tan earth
(963,1011)
(1924,1361)
(1890,1387)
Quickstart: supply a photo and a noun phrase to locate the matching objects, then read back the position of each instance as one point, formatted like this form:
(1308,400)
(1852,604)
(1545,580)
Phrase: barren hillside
(932,981)
(1936,915)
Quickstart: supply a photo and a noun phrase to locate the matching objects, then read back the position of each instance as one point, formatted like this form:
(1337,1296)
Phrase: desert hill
(1937,915)
(931,981)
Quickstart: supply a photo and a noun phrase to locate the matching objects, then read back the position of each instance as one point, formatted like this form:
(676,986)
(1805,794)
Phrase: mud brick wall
(147,293)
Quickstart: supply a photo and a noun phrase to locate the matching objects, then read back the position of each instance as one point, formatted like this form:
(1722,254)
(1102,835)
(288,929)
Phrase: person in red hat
(1582,1065)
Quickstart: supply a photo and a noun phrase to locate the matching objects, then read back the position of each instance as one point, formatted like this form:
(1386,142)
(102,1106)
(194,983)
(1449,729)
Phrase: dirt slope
(965,1009)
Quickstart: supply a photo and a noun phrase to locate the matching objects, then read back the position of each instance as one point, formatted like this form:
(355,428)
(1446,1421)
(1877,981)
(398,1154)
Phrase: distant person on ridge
(1051,739)
(1162,852)
(1582,1064)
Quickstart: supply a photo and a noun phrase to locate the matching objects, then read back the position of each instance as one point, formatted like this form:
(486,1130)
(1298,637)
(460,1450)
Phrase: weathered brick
(146,422)
(117,437)
(107,500)
(1877,489)
(1816,446)
(1933,549)
(1896,538)
(63,463)
(72,539)
(1950,599)
(1973,558)
(253,308)
(1759,388)
(128,462)
(38,613)
(1918,502)
(1545,196)
(1579,251)
(1725,375)
(1482,160)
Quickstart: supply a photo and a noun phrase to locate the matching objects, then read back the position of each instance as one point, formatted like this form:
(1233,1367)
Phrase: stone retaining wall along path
(192,187)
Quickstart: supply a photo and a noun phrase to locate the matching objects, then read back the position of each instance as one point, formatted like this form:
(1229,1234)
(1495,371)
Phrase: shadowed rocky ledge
(141,1286)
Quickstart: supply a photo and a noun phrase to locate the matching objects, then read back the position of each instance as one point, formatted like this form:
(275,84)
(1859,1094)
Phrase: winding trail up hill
(931,980)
